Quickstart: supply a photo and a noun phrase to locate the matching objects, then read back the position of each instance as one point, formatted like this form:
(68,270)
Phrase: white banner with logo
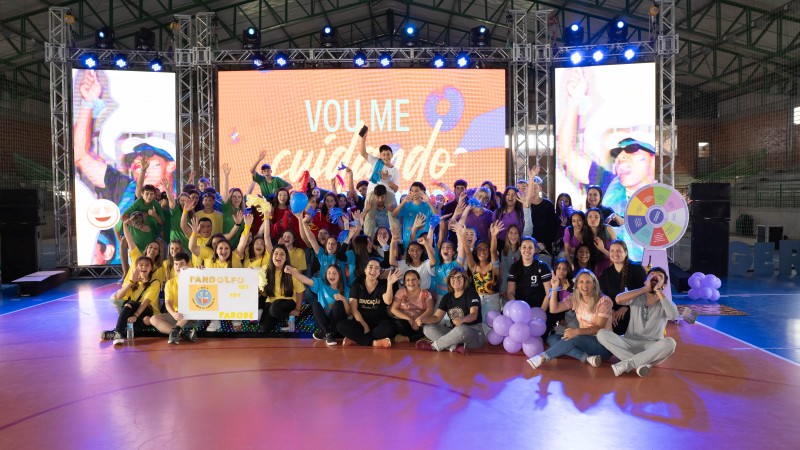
(218,294)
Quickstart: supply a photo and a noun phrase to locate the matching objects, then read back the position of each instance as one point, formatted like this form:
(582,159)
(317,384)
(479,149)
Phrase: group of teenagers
(425,270)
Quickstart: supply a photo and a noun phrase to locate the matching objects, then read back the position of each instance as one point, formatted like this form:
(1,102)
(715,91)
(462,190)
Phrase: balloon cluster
(704,287)
(520,327)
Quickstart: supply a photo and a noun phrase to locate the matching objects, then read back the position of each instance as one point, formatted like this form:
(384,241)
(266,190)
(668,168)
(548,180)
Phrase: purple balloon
(501,325)
(708,281)
(494,338)
(490,317)
(695,282)
(520,313)
(507,307)
(714,295)
(699,274)
(538,313)
(537,327)
(694,293)
(716,284)
(705,292)
(511,345)
(533,346)
(519,332)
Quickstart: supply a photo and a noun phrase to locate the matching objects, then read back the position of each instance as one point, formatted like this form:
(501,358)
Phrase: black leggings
(275,312)
(352,329)
(404,328)
(327,322)
(129,308)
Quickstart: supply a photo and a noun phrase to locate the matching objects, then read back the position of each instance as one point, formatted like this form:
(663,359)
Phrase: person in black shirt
(620,276)
(369,303)
(543,217)
(529,279)
(463,305)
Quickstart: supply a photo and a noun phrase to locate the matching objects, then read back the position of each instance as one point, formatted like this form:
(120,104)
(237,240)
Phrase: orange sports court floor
(64,388)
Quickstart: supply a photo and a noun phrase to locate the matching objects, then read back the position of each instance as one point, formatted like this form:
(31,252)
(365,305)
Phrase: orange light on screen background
(443,124)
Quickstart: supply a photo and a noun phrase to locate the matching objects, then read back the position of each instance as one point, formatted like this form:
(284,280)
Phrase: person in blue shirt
(330,306)
(416,202)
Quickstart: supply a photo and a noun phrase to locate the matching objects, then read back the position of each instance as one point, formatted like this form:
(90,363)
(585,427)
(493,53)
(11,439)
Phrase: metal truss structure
(667,129)
(371,55)
(541,63)
(205,71)
(184,57)
(518,71)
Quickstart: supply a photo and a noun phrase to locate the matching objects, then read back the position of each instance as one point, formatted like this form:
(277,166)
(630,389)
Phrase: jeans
(445,337)
(327,321)
(578,347)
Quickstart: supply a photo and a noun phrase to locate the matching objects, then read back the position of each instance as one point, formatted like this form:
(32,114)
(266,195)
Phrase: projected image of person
(109,180)
(585,126)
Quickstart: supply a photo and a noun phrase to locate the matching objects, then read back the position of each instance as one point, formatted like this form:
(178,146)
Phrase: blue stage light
(462,60)
(576,57)
(120,61)
(281,60)
(385,60)
(327,30)
(598,56)
(438,61)
(410,30)
(573,35)
(156,65)
(258,60)
(90,61)
(629,54)
(360,59)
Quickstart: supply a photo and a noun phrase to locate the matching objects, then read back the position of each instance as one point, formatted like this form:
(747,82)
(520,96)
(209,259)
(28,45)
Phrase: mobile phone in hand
(363,131)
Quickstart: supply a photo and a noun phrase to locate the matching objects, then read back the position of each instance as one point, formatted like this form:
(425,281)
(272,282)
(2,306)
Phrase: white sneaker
(643,370)
(619,368)
(213,326)
(538,360)
(118,340)
(594,360)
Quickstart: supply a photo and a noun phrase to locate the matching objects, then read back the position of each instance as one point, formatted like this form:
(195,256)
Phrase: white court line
(748,344)
(53,300)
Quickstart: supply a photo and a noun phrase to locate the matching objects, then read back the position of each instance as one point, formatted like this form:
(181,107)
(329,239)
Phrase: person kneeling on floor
(643,344)
(172,322)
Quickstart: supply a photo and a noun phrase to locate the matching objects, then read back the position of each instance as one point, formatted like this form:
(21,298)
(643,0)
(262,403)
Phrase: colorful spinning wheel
(657,216)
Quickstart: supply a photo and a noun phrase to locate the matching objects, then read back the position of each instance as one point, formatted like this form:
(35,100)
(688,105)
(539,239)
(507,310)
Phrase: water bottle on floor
(129,331)
(291,324)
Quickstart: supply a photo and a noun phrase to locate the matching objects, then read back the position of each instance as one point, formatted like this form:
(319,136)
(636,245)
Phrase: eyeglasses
(458,277)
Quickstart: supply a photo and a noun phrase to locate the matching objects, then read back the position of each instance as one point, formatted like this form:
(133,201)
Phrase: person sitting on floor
(644,344)
(411,305)
(369,304)
(140,299)
(463,305)
(329,304)
(593,309)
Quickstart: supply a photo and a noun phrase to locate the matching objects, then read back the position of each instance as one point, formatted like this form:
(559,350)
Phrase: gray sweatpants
(447,338)
(634,352)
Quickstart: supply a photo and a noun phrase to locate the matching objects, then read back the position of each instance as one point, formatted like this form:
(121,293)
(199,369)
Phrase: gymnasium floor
(733,383)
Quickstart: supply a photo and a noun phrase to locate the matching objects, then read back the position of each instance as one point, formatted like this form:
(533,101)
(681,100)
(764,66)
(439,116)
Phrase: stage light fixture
(410,36)
(573,35)
(104,38)
(281,60)
(145,40)
(438,61)
(385,60)
(480,36)
(360,59)
(251,38)
(629,54)
(618,32)
(462,60)
(258,60)
(576,57)
(156,65)
(89,61)
(328,36)
(598,55)
(120,61)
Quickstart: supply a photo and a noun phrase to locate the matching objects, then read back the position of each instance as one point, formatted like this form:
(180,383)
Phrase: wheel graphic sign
(657,216)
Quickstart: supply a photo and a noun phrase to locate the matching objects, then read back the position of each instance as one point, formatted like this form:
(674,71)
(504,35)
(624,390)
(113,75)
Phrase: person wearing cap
(268,183)
(382,172)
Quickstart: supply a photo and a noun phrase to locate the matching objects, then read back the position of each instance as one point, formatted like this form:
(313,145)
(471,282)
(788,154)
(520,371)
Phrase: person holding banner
(172,322)
(370,298)
(140,299)
(330,306)
(283,293)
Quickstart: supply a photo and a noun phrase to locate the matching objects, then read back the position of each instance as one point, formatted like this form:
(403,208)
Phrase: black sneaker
(191,335)
(330,340)
(318,335)
(107,335)
(174,336)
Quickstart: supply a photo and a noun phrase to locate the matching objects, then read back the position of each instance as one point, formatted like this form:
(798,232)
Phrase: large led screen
(119,118)
(605,134)
(443,124)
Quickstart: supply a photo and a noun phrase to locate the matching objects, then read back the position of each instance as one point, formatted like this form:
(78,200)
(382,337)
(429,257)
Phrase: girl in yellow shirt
(140,299)
(284,293)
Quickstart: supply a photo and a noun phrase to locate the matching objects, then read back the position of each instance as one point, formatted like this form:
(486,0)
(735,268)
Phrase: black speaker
(709,251)
(21,207)
(709,210)
(19,251)
(710,191)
